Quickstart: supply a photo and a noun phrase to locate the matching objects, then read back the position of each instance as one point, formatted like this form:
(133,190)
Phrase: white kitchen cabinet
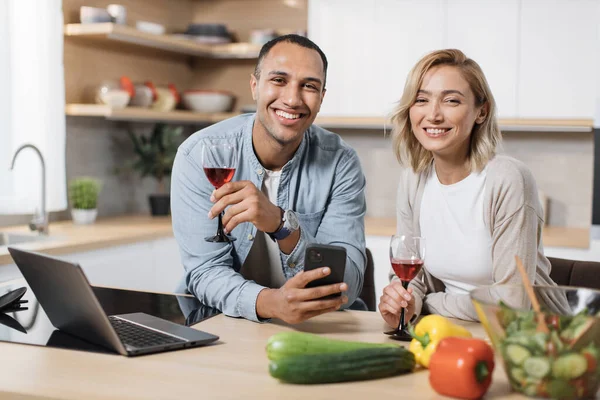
(487,32)
(371,46)
(406,31)
(128,266)
(558,66)
(335,25)
(540,57)
(168,269)
(153,265)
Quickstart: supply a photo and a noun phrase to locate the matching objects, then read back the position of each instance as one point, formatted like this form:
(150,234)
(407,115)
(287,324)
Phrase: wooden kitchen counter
(233,368)
(65,237)
(553,236)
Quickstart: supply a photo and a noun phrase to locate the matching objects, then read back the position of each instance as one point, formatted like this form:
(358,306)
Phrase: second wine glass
(219,161)
(407,255)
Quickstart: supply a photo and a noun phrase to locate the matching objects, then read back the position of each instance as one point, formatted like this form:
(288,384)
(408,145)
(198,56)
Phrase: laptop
(64,292)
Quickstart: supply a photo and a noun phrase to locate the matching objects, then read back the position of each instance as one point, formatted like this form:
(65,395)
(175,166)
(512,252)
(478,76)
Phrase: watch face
(292,219)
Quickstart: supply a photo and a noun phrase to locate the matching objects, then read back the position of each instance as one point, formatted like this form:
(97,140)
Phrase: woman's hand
(393,300)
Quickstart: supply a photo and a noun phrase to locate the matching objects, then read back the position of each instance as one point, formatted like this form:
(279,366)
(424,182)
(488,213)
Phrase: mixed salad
(561,363)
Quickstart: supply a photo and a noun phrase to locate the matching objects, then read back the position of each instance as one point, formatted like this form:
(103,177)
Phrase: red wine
(219,176)
(406,270)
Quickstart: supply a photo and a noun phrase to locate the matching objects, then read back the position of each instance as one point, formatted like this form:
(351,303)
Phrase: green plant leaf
(83,192)
(155,152)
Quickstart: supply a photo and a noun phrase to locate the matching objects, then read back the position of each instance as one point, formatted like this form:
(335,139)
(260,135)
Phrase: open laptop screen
(32,326)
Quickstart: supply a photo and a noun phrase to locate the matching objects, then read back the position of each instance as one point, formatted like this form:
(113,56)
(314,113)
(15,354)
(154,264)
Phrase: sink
(9,239)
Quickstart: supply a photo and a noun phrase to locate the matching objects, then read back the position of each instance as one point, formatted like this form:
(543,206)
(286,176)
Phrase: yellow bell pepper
(428,333)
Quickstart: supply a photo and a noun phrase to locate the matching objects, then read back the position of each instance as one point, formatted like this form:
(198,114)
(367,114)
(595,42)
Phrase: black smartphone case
(323,255)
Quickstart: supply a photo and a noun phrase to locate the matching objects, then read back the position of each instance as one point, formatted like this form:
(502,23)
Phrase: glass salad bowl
(554,354)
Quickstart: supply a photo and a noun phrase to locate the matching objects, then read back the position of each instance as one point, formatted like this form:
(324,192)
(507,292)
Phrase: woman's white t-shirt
(457,243)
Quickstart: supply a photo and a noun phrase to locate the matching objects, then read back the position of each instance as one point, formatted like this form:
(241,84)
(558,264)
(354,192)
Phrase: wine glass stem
(402,323)
(220,228)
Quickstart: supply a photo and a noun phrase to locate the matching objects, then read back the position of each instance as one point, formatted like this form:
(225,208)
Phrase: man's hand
(393,300)
(247,204)
(294,303)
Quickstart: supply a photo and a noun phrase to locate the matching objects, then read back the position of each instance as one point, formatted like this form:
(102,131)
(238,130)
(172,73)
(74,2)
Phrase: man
(295,184)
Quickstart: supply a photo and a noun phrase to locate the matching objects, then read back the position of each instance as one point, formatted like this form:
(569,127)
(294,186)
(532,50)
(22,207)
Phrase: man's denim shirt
(323,183)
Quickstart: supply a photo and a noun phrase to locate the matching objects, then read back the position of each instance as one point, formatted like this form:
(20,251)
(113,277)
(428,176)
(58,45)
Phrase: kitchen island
(235,367)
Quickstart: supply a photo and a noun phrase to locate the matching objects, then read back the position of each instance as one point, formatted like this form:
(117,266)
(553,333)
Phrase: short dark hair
(295,39)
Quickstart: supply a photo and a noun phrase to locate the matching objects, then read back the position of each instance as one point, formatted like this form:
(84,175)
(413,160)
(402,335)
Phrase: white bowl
(150,27)
(118,13)
(93,15)
(116,98)
(208,101)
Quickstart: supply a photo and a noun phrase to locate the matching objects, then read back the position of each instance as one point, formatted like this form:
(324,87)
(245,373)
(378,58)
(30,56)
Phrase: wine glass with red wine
(219,161)
(407,254)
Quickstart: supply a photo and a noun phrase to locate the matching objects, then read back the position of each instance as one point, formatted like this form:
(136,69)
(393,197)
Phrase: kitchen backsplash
(561,162)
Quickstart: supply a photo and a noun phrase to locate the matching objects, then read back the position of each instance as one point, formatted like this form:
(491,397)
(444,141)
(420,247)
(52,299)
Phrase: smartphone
(323,255)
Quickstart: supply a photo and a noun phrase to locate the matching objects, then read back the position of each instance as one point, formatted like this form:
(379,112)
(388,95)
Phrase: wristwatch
(289,224)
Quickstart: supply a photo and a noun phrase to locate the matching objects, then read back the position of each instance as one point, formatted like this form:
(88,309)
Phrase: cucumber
(558,344)
(540,343)
(519,377)
(569,366)
(516,354)
(559,389)
(522,339)
(537,367)
(531,390)
(345,366)
(286,344)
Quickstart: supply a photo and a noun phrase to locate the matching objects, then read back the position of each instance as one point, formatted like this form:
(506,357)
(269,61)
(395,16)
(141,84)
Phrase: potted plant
(83,193)
(155,156)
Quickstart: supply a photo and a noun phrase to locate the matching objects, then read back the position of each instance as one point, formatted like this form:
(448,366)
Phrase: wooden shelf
(114,33)
(144,114)
(377,123)
(535,125)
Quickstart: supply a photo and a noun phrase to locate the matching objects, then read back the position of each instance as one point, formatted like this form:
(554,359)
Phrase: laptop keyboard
(137,336)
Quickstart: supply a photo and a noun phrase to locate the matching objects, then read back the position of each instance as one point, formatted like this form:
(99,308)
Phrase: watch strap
(282,232)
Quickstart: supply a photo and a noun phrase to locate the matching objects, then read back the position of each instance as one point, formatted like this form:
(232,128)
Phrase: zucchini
(351,365)
(286,344)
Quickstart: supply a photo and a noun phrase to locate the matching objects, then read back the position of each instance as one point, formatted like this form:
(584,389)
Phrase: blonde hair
(485,137)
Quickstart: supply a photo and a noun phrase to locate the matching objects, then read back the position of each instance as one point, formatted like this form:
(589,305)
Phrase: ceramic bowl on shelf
(145,95)
(115,94)
(167,98)
(559,361)
(208,101)
(94,15)
(150,27)
(118,13)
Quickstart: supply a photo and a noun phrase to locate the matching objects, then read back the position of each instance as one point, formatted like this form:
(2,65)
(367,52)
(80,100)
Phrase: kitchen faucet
(39,222)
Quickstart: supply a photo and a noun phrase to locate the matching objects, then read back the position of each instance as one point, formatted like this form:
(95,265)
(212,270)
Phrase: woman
(475,209)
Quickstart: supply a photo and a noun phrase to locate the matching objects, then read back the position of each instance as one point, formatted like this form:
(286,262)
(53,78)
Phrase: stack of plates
(206,33)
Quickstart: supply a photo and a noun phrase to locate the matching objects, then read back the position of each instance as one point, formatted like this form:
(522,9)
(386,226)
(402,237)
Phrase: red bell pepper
(461,368)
